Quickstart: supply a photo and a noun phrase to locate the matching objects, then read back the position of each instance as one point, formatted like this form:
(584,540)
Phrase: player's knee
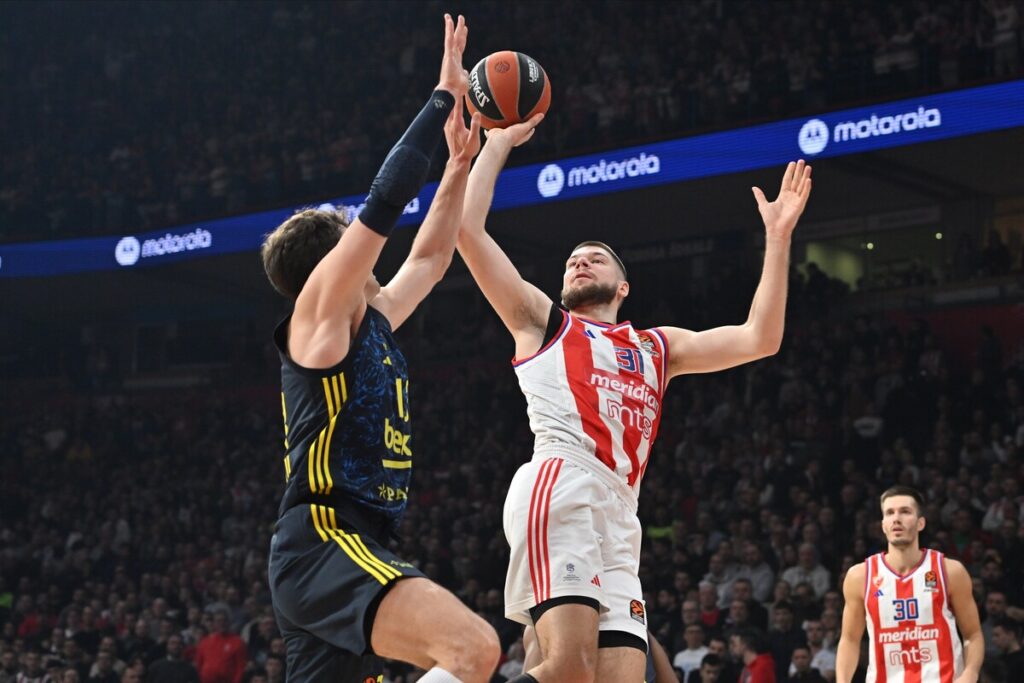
(474,650)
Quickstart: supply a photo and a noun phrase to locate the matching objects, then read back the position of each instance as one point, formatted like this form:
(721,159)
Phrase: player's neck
(602,313)
(902,560)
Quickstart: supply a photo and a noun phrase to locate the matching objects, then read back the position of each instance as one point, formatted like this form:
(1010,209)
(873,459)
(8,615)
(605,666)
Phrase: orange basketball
(507,87)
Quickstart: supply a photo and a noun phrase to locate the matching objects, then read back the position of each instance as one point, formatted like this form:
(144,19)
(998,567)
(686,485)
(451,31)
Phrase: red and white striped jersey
(912,634)
(595,390)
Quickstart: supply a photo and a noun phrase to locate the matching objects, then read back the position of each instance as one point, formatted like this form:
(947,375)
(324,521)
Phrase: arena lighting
(850,131)
(938,235)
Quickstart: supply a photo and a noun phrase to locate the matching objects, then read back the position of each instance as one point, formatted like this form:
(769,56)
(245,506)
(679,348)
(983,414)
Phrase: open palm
(781,215)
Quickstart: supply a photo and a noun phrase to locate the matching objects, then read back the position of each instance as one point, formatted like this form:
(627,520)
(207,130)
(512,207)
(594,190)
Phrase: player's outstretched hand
(781,215)
(517,133)
(454,78)
(463,143)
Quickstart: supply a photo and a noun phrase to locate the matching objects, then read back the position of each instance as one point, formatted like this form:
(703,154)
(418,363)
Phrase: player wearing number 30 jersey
(594,389)
(911,600)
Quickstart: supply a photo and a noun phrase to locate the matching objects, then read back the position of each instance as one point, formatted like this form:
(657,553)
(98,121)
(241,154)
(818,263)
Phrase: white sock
(439,675)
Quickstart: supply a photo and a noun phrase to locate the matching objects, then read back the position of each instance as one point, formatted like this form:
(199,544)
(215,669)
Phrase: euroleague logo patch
(930,583)
(636,610)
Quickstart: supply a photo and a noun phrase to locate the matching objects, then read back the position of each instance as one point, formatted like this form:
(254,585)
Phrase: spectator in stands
(747,645)
(171,668)
(690,658)
(757,571)
(1006,634)
(710,671)
(221,656)
(808,569)
(801,670)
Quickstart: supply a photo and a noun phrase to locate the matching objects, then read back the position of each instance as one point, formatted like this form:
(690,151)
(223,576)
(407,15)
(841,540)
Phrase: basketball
(507,87)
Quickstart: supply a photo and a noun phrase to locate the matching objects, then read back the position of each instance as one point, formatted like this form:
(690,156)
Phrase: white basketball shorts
(571,534)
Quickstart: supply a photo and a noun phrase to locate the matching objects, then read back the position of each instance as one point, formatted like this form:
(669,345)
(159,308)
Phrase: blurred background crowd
(135,516)
(130,117)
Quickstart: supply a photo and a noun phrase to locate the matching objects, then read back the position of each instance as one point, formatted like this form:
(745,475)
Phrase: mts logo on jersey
(396,440)
(913,655)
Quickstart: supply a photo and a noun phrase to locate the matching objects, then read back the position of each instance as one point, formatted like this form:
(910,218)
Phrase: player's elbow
(767,344)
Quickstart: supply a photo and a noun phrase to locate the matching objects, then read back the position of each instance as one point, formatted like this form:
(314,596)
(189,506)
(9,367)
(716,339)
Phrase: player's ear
(920,523)
(623,289)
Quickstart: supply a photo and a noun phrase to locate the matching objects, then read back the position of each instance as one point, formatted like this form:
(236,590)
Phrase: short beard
(901,542)
(594,294)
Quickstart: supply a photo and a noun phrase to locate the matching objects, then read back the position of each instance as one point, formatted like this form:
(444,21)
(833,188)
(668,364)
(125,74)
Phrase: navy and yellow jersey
(347,428)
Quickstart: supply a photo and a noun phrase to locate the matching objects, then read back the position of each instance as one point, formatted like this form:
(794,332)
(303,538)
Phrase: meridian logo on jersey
(910,634)
(640,392)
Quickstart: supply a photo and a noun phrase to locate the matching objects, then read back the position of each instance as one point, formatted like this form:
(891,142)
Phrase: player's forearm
(974,654)
(480,190)
(435,241)
(767,317)
(847,655)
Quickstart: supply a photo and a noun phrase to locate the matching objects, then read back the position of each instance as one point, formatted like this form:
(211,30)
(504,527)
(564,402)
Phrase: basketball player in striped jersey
(912,600)
(594,389)
(341,597)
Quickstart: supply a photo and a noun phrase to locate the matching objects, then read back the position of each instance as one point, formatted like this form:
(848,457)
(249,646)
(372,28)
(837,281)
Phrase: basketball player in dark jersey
(341,598)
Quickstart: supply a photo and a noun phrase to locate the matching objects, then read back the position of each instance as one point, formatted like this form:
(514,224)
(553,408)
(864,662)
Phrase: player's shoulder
(855,575)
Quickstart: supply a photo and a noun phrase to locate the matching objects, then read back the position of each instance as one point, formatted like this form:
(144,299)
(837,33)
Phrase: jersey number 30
(904,609)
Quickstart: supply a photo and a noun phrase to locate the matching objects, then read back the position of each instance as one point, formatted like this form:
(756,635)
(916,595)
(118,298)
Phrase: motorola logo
(127,251)
(550,181)
(813,137)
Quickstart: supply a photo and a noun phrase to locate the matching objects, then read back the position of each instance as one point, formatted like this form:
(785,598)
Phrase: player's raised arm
(521,306)
(961,601)
(331,303)
(431,252)
(761,335)
(854,622)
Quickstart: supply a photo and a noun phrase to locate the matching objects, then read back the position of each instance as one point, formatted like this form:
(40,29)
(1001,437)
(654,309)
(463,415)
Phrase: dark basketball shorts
(327,579)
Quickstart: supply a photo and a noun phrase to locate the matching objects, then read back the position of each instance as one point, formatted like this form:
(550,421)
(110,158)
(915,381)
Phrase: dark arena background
(147,147)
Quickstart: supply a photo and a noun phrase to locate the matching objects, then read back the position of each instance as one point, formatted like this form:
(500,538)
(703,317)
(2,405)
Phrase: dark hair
(904,491)
(1008,624)
(292,250)
(752,638)
(783,604)
(611,252)
(711,660)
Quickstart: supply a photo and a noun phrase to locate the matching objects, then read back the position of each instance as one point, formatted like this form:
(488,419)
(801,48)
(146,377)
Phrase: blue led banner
(851,131)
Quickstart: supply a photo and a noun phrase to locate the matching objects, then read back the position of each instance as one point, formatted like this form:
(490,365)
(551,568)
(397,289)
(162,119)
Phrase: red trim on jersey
(599,322)
(867,581)
(664,357)
(579,366)
(903,577)
(554,340)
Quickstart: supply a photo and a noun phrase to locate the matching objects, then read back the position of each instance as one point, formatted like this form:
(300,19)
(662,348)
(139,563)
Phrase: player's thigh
(622,643)
(617,664)
(568,633)
(420,622)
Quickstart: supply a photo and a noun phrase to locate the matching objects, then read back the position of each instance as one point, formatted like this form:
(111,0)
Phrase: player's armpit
(711,350)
